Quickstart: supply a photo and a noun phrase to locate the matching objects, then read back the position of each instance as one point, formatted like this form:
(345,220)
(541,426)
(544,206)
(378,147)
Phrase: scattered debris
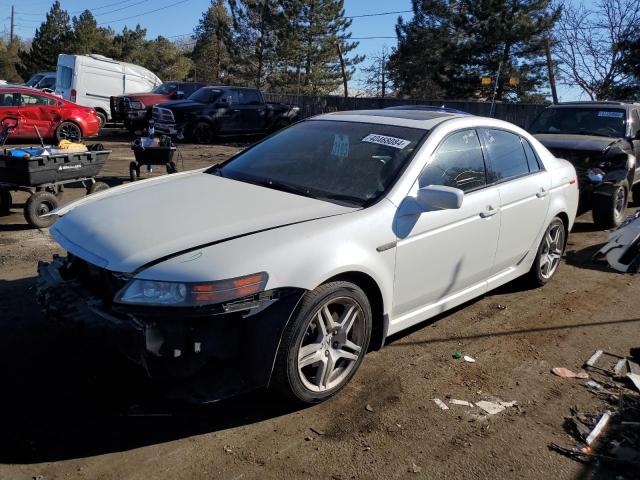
(490,407)
(368,408)
(468,359)
(566,373)
(453,401)
(457,355)
(441,404)
(415,468)
(597,430)
(501,307)
(592,384)
(308,438)
(512,403)
(622,251)
(228,449)
(317,431)
(635,379)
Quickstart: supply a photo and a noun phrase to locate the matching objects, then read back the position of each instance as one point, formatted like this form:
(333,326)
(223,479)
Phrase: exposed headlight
(178,294)
(136,105)
(595,175)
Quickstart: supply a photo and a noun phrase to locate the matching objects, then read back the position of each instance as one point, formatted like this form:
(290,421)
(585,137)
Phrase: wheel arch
(374,294)
(103,111)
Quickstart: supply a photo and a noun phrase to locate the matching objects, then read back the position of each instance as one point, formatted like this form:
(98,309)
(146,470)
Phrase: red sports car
(54,117)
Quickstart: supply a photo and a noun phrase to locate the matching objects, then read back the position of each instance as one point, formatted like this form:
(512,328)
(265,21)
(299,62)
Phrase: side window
(506,153)
(188,88)
(532,158)
(458,162)
(49,82)
(232,95)
(29,100)
(249,97)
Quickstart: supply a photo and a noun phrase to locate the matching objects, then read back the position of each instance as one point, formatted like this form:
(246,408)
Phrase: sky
(173,18)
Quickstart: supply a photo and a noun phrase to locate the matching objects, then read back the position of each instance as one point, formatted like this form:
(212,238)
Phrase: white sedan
(282,266)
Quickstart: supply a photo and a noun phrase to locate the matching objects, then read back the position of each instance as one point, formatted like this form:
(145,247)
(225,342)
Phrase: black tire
(37,205)
(102,119)
(202,133)
(97,187)
(171,167)
(537,276)
(68,130)
(609,205)
(6,202)
(134,171)
(287,379)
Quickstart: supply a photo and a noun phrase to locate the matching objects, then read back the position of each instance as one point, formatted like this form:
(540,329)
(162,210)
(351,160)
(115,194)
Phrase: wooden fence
(521,114)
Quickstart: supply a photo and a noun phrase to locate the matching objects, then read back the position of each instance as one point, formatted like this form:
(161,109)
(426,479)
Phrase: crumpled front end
(222,350)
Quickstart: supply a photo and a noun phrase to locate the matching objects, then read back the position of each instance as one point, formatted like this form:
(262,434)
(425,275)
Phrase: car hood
(575,142)
(125,228)
(149,98)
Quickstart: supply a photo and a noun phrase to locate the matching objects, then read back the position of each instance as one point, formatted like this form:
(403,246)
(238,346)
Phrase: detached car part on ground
(602,140)
(622,250)
(221,110)
(284,265)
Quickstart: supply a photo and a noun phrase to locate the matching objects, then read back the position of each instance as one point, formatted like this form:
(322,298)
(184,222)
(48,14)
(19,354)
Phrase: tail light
(73,94)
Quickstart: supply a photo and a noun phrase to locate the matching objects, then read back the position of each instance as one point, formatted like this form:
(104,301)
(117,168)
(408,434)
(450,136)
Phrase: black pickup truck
(221,110)
(602,140)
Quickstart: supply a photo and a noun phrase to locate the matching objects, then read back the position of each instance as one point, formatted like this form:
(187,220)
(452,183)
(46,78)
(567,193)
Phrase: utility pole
(495,91)
(12,23)
(344,73)
(383,66)
(552,77)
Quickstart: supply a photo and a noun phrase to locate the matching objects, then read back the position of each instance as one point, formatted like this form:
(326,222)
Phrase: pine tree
(449,45)
(9,60)
(212,53)
(51,39)
(255,26)
(129,45)
(309,46)
(162,57)
(89,38)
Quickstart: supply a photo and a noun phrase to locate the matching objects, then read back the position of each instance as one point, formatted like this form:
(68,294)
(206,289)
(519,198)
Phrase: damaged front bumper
(223,351)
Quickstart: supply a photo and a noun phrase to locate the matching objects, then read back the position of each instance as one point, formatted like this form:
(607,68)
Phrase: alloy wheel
(553,246)
(332,344)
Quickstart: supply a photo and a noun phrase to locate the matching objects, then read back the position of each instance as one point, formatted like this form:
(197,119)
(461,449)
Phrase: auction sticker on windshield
(394,142)
(611,114)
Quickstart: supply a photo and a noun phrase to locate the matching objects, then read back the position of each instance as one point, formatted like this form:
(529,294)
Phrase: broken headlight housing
(190,294)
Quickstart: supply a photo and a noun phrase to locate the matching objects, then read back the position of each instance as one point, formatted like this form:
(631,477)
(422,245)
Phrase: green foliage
(212,53)
(52,38)
(9,60)
(88,38)
(449,45)
(163,57)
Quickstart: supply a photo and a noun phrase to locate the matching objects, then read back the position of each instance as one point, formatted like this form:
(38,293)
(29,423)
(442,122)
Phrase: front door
(524,195)
(444,256)
(252,111)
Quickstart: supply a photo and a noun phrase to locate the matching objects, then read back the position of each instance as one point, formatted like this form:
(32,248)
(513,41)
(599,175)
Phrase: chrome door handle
(236,111)
(542,193)
(490,212)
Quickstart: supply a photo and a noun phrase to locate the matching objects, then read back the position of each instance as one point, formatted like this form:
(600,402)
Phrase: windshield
(342,162)
(205,95)
(604,122)
(34,80)
(165,88)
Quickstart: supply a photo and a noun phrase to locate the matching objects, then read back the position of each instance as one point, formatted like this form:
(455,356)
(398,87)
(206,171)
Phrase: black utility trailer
(44,177)
(160,154)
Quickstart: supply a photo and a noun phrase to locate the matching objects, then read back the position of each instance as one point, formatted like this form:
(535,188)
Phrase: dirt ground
(69,410)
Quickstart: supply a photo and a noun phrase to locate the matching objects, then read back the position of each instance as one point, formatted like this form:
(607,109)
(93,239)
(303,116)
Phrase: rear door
(38,111)
(524,187)
(252,110)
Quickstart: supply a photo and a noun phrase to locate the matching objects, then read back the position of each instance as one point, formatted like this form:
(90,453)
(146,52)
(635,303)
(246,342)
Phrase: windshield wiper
(351,200)
(283,187)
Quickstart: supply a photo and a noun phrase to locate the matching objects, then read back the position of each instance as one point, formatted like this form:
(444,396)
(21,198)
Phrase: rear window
(64,77)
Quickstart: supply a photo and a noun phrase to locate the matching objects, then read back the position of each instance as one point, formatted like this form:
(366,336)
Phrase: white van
(91,80)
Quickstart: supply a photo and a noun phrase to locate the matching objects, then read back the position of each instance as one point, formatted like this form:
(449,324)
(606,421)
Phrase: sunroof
(408,114)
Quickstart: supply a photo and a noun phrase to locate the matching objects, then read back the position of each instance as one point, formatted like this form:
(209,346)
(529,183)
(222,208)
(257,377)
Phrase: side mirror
(179,95)
(439,197)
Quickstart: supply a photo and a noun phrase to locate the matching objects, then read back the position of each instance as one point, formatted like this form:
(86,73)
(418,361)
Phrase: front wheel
(324,343)
(549,253)
(609,205)
(202,132)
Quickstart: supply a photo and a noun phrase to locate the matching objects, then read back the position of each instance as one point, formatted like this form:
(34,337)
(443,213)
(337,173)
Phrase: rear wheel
(202,132)
(549,253)
(102,119)
(39,204)
(97,187)
(68,131)
(609,205)
(6,202)
(324,344)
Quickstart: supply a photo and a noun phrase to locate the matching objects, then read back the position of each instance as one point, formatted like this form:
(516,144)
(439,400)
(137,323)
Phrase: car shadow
(584,258)
(65,398)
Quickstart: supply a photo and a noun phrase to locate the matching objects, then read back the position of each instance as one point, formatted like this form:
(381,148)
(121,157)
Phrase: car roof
(601,104)
(430,108)
(422,119)
(23,88)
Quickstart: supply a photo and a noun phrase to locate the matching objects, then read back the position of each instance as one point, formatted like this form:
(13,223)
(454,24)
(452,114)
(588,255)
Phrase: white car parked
(282,266)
